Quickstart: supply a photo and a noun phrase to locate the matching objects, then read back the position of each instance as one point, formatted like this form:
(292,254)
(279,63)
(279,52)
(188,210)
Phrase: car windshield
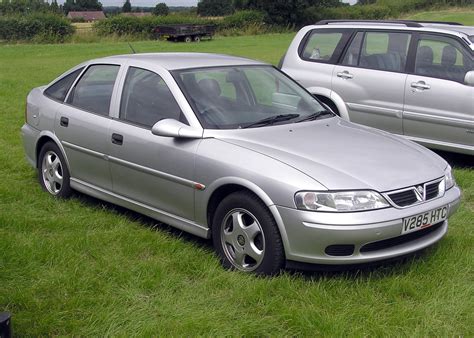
(234,97)
(471,38)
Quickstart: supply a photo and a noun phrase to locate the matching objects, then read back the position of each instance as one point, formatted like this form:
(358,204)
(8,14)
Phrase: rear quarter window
(323,46)
(60,88)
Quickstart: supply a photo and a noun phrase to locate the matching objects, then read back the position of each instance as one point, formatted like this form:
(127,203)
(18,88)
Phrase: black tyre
(188,39)
(197,38)
(53,173)
(245,235)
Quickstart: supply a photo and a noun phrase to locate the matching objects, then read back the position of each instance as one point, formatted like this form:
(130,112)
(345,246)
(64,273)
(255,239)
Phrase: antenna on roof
(133,50)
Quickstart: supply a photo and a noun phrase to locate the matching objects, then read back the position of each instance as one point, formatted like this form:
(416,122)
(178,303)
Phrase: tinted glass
(352,55)
(385,51)
(59,89)
(442,58)
(321,46)
(261,92)
(93,91)
(146,99)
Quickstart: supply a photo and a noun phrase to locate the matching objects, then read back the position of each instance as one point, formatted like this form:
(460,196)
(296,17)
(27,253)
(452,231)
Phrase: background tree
(81,5)
(215,7)
(127,7)
(161,9)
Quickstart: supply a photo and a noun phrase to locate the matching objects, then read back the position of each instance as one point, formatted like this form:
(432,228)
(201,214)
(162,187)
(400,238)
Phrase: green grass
(83,267)
(464,15)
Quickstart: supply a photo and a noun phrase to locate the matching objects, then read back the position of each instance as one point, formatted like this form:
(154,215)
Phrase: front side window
(380,50)
(93,91)
(59,89)
(146,99)
(264,96)
(321,46)
(442,57)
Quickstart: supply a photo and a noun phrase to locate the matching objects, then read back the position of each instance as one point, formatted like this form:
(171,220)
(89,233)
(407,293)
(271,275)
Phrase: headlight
(449,178)
(340,201)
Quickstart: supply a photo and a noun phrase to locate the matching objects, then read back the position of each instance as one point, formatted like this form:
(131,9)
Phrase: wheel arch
(331,96)
(44,137)
(226,186)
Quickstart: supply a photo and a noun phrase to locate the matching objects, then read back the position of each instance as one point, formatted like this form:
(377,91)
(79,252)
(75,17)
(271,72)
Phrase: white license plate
(424,220)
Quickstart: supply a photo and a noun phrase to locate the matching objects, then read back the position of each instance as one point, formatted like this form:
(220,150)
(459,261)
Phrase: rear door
(82,124)
(371,78)
(439,107)
(317,54)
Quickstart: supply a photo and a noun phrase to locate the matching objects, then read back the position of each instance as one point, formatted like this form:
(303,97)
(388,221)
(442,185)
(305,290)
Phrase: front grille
(340,250)
(394,241)
(416,194)
(431,190)
(404,198)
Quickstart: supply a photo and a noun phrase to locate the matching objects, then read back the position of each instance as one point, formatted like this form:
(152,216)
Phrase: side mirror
(469,78)
(174,128)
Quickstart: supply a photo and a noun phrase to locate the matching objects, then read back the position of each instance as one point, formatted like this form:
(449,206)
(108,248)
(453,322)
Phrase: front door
(154,170)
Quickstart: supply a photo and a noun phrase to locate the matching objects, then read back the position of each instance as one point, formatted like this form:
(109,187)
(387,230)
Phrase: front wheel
(53,173)
(246,236)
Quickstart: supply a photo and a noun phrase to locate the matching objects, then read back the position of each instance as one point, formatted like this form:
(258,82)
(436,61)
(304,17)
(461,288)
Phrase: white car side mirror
(469,78)
(174,128)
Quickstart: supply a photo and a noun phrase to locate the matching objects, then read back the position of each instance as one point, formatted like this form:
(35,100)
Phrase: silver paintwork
(172,179)
(434,112)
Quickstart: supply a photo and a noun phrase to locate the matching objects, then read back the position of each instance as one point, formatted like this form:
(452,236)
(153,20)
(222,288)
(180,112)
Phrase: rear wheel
(53,173)
(188,39)
(246,236)
(197,38)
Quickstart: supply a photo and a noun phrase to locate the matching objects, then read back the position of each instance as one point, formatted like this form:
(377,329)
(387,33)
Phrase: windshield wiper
(315,115)
(272,119)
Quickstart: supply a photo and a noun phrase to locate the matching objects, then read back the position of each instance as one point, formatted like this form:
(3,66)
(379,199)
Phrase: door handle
(64,121)
(420,85)
(117,139)
(345,75)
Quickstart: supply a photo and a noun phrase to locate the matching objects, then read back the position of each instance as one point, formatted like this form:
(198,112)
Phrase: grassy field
(461,15)
(83,267)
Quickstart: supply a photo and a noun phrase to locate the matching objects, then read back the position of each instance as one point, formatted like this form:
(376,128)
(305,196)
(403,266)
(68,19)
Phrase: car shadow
(457,160)
(313,272)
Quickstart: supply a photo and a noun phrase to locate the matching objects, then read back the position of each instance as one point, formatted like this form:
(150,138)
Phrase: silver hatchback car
(233,149)
(414,79)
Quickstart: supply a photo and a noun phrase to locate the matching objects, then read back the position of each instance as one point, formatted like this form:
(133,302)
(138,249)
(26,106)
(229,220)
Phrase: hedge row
(37,27)
(125,25)
(382,9)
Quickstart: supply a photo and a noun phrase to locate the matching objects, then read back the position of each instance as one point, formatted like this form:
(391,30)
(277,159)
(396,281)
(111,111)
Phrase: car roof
(172,61)
(436,27)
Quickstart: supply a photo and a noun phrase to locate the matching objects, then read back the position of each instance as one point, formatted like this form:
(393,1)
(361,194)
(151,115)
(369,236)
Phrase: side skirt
(160,215)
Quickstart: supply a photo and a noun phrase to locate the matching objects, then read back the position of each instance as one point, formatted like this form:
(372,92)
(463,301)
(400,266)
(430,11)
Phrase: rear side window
(323,46)
(93,91)
(146,99)
(379,50)
(59,89)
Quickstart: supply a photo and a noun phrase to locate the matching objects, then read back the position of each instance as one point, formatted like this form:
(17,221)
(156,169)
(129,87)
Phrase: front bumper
(307,234)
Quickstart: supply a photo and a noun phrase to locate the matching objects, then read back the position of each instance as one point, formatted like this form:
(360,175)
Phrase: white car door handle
(345,75)
(420,85)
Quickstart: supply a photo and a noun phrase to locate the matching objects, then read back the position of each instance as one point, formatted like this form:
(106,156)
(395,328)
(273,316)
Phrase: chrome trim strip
(83,150)
(450,121)
(163,216)
(146,170)
(440,143)
(157,173)
(387,194)
(376,110)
